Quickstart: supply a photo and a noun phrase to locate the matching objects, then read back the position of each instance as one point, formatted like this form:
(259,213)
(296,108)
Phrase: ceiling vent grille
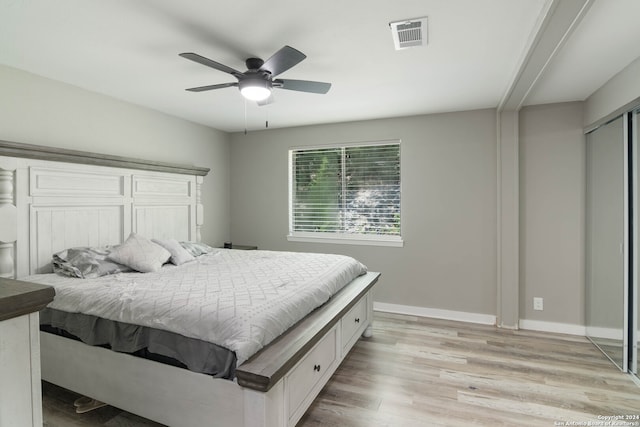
(409,33)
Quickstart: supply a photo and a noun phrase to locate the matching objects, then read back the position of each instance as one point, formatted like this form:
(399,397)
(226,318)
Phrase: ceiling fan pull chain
(245,116)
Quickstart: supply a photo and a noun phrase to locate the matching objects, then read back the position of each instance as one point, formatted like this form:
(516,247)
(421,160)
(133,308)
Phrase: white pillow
(196,249)
(140,253)
(179,255)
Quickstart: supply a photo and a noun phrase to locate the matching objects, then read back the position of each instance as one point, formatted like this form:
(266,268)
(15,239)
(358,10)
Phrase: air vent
(409,33)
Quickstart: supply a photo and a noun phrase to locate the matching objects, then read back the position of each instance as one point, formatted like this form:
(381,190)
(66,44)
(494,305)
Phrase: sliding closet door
(605,245)
(635,298)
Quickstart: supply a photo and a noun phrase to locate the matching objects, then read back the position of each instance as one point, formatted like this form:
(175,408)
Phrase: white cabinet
(20,398)
(353,324)
(311,373)
(20,388)
(283,379)
(307,378)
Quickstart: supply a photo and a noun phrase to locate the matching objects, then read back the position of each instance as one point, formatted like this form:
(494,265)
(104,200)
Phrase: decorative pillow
(86,263)
(196,248)
(179,255)
(140,253)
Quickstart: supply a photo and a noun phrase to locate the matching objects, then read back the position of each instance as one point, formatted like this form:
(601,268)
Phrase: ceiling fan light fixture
(255,89)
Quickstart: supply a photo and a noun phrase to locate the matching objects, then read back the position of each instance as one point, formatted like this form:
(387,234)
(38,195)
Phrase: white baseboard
(488,319)
(558,328)
(461,316)
(484,319)
(606,333)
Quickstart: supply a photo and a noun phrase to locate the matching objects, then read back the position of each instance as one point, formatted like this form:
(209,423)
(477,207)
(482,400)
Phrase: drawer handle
(316,368)
(357,320)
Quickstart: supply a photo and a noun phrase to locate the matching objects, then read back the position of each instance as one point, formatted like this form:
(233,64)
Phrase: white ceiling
(604,42)
(129,50)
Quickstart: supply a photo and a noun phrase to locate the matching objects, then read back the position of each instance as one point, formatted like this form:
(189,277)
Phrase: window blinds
(348,190)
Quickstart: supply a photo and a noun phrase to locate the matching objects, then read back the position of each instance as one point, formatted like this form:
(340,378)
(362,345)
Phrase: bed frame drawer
(307,378)
(353,323)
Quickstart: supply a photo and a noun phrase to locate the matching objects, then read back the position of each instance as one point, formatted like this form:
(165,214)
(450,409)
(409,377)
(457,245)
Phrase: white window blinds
(346,191)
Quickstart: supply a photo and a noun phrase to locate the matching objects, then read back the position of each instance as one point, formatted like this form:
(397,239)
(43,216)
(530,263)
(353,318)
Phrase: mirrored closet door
(606,240)
(635,288)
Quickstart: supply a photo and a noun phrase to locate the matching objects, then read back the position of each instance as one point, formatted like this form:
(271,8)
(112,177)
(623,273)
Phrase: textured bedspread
(240,300)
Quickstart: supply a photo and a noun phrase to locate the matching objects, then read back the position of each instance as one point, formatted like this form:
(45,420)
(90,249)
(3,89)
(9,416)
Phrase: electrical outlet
(538,303)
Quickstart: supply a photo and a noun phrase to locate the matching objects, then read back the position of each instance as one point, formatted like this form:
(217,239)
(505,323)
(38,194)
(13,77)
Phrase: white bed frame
(53,199)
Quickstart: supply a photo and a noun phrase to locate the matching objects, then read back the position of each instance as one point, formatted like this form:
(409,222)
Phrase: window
(346,194)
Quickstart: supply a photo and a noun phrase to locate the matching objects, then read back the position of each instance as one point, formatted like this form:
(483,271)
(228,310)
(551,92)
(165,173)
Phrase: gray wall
(449,188)
(40,111)
(552,206)
(448,205)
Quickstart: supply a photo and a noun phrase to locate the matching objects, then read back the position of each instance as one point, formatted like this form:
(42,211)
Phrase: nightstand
(241,247)
(20,390)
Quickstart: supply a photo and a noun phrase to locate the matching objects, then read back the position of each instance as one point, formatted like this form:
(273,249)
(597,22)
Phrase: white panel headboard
(56,227)
(47,206)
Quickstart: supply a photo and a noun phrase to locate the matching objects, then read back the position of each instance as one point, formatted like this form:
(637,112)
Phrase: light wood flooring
(425,372)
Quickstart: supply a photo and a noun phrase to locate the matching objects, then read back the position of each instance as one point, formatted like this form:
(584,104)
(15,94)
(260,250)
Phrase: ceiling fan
(257,82)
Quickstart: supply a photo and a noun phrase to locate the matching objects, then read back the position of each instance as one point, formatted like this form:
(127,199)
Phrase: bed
(51,200)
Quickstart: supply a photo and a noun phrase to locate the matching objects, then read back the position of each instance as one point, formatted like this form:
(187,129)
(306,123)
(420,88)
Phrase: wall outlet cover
(538,303)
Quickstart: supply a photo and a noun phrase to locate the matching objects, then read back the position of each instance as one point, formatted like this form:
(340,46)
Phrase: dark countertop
(18,298)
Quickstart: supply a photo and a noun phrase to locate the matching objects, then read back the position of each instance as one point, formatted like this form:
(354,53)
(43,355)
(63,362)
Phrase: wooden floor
(424,372)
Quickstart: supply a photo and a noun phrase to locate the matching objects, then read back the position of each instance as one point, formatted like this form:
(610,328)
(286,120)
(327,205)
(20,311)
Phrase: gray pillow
(86,262)
(140,253)
(179,255)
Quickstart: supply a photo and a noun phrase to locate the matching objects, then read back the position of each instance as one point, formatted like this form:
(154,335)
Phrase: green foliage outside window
(352,190)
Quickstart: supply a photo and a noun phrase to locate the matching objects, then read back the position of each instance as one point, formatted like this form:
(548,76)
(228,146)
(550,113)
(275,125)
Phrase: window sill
(360,241)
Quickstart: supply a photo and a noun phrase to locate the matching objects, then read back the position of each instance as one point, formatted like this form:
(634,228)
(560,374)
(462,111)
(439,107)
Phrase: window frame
(337,237)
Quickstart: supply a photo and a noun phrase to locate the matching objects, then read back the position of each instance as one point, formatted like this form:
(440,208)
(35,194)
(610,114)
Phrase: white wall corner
(554,27)
(508,219)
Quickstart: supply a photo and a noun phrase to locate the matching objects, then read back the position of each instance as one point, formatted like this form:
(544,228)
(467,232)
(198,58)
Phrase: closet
(611,251)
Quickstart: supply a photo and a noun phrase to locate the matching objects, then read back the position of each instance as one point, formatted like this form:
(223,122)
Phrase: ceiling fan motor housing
(255,79)
(254,63)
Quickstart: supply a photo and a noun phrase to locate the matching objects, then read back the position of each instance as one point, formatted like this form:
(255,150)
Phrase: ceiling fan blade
(302,85)
(210,63)
(282,60)
(211,87)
